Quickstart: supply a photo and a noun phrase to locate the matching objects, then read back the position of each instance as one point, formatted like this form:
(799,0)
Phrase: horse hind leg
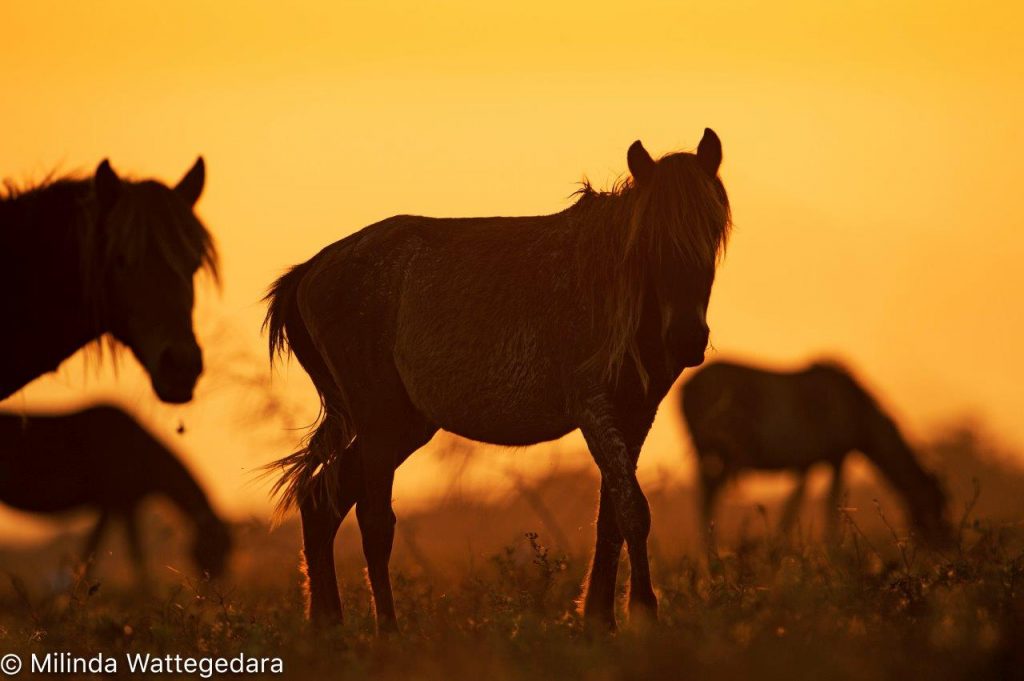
(321,518)
(384,449)
(320,523)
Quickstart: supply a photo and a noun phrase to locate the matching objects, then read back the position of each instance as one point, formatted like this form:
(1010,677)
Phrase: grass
(870,604)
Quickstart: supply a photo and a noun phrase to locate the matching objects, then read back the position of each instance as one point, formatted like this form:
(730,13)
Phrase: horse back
(442,307)
(755,418)
(97,457)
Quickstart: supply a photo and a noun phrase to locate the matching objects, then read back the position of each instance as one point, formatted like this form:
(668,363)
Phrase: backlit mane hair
(680,216)
(145,215)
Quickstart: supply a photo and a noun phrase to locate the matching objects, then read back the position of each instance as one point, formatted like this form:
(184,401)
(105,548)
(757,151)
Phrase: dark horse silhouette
(101,459)
(742,417)
(509,330)
(84,258)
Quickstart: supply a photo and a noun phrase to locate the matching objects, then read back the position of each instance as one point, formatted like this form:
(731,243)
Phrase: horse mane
(181,238)
(626,233)
(10,190)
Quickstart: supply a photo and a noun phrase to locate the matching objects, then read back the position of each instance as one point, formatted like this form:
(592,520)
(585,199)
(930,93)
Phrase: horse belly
(488,391)
(508,428)
(790,438)
(793,453)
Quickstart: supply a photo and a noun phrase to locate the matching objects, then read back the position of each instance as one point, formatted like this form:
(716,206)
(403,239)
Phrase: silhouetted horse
(745,418)
(84,258)
(101,458)
(509,330)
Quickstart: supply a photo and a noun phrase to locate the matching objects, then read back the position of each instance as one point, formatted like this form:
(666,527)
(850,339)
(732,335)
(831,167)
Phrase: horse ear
(191,186)
(641,165)
(709,152)
(107,183)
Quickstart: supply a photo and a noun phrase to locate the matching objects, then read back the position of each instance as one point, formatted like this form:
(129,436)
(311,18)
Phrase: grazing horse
(744,418)
(101,459)
(507,330)
(83,258)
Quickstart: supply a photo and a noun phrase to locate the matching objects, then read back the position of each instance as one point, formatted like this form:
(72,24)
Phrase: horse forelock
(682,214)
(149,215)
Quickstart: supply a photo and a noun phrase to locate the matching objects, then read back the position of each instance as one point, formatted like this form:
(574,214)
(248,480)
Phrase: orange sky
(872,154)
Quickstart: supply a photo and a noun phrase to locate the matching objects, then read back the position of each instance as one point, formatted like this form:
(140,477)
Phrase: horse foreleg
(632,514)
(92,543)
(832,501)
(792,507)
(710,485)
(131,527)
(599,596)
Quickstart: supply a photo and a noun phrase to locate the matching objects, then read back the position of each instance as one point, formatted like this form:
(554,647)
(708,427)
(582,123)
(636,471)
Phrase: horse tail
(304,472)
(281,308)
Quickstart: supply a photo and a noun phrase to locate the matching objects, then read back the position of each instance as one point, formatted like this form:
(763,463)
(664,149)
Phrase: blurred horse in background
(102,459)
(80,259)
(745,418)
(508,330)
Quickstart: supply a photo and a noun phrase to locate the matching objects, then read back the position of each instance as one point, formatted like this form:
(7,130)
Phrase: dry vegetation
(481,596)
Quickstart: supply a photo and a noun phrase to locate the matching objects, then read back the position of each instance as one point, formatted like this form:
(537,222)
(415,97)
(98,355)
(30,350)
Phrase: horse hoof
(387,628)
(643,614)
(325,619)
(599,625)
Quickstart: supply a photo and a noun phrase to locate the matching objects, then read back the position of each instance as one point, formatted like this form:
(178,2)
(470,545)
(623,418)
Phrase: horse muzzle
(692,352)
(177,370)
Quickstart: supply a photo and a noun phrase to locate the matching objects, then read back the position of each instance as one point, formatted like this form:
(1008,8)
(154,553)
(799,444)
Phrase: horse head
(151,245)
(211,547)
(683,209)
(927,503)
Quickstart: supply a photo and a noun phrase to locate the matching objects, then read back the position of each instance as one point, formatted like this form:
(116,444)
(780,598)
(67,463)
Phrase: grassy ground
(478,597)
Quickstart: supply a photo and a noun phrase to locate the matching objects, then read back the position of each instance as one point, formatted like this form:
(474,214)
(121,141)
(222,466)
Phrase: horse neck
(886,447)
(614,289)
(173,480)
(42,297)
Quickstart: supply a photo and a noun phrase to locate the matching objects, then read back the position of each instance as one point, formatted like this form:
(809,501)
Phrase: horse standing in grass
(508,330)
(83,258)
(745,418)
(101,459)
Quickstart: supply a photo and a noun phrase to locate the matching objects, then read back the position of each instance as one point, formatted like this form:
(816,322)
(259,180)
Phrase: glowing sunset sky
(872,154)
